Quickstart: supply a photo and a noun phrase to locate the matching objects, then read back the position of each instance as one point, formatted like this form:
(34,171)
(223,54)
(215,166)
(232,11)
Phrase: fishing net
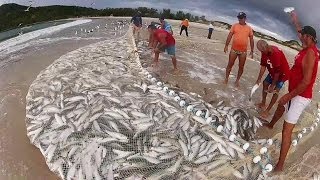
(96,114)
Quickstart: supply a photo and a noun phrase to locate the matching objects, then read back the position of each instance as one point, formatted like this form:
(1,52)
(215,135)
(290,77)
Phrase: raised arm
(296,23)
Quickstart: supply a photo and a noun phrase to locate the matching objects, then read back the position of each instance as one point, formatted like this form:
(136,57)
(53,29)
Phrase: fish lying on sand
(94,115)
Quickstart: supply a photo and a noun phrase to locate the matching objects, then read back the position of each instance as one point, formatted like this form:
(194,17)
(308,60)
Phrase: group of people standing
(301,76)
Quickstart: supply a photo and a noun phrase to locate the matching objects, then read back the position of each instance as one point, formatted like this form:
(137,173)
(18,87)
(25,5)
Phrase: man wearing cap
(137,22)
(165,25)
(163,41)
(301,81)
(184,26)
(158,26)
(240,32)
(273,59)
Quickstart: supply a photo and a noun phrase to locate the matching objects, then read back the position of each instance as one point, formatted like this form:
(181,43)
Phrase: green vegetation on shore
(11,15)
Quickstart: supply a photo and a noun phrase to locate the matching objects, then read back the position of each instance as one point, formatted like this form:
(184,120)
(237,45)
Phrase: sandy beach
(202,65)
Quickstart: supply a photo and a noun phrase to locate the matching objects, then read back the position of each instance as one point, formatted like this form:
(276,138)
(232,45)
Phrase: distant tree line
(11,15)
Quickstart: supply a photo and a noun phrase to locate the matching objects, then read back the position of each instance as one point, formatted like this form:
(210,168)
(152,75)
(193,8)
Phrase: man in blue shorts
(163,41)
(273,59)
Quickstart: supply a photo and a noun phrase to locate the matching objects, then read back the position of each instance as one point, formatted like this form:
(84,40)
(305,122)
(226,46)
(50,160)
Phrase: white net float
(153,79)
(149,76)
(304,130)
(159,83)
(189,108)
(268,167)
(256,159)
(232,137)
(165,89)
(198,113)
(270,142)
(315,124)
(245,146)
(220,128)
(182,103)
(294,142)
(263,150)
(209,119)
(172,93)
(299,135)
(311,128)
(177,98)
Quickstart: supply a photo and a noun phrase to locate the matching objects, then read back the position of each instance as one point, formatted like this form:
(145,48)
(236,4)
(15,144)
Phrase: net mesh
(94,114)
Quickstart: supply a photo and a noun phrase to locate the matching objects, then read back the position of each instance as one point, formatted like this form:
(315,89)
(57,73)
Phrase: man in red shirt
(302,78)
(163,41)
(273,59)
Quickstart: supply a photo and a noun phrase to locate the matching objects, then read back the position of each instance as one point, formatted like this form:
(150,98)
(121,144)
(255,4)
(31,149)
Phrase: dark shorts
(269,80)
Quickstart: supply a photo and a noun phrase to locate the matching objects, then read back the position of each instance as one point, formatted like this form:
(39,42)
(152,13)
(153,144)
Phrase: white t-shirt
(210,26)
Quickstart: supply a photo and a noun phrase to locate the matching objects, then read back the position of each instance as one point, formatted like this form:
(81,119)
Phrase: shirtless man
(273,59)
(240,32)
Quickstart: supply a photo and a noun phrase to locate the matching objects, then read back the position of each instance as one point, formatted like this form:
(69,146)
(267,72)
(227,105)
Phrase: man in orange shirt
(184,26)
(240,32)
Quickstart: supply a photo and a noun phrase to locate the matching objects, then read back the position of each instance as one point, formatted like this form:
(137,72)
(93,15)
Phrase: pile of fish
(94,115)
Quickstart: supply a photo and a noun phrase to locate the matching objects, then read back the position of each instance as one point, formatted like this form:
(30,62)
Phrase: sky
(265,16)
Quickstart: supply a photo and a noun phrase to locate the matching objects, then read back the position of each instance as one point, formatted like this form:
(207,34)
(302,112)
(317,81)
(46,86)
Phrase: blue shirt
(167,27)
(137,20)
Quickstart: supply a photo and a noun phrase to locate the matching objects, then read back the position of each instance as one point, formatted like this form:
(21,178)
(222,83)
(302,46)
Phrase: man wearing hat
(165,25)
(240,32)
(303,75)
(137,23)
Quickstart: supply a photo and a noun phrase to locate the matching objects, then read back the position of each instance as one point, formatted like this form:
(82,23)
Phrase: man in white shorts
(303,75)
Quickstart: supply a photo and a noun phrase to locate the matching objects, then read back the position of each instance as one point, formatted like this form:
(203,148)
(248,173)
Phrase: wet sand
(18,158)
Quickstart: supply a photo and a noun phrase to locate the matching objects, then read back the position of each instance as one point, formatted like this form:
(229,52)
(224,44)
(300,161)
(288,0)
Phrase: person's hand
(294,16)
(258,81)
(284,99)
(225,49)
(271,89)
(156,50)
(251,54)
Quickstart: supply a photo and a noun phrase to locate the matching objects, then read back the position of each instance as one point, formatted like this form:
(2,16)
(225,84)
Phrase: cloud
(264,15)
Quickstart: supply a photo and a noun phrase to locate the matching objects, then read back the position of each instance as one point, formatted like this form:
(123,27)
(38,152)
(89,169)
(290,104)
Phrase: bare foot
(176,71)
(155,65)
(278,168)
(261,105)
(264,114)
(237,84)
(268,125)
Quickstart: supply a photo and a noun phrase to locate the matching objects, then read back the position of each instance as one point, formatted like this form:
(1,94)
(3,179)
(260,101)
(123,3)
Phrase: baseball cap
(242,15)
(310,31)
(152,26)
